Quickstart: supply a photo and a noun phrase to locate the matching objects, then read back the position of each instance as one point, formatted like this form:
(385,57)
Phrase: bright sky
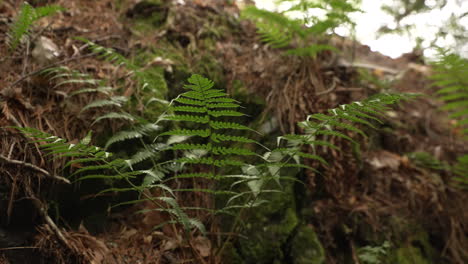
(393,45)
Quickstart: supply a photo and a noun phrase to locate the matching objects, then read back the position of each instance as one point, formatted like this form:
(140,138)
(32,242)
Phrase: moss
(267,236)
(306,247)
(230,255)
(409,255)
(269,228)
(148,15)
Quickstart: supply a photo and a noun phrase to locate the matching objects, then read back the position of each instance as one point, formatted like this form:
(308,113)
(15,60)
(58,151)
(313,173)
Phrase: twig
(34,167)
(49,221)
(329,90)
(11,248)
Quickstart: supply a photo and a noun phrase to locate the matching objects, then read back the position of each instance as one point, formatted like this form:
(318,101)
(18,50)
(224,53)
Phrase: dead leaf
(385,159)
(203,246)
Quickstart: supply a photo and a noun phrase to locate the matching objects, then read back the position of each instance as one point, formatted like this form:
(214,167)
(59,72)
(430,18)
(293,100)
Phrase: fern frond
(117,101)
(187,132)
(189,101)
(189,146)
(23,22)
(232,151)
(224,113)
(220,137)
(189,118)
(106,53)
(221,105)
(115,115)
(227,125)
(122,136)
(340,119)
(190,109)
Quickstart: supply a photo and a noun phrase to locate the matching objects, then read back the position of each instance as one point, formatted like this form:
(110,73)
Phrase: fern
(96,163)
(204,137)
(450,75)
(339,121)
(280,31)
(451,71)
(24,21)
(209,108)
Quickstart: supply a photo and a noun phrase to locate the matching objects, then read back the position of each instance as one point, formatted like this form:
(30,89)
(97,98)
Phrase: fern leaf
(227,125)
(220,137)
(103,89)
(194,95)
(232,151)
(115,115)
(25,19)
(224,113)
(189,101)
(220,100)
(190,109)
(122,136)
(187,132)
(113,101)
(221,105)
(189,146)
(189,118)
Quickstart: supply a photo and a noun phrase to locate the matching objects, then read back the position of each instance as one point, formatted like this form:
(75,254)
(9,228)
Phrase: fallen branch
(33,167)
(43,211)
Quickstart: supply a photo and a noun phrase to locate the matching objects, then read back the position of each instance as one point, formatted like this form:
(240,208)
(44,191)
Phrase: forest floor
(399,174)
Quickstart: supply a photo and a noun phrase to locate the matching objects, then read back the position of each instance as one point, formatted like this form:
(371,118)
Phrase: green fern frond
(224,113)
(280,31)
(122,136)
(189,118)
(188,132)
(189,101)
(137,132)
(116,101)
(189,146)
(222,105)
(221,100)
(115,115)
(106,53)
(227,125)
(450,75)
(24,21)
(232,151)
(344,118)
(220,137)
(190,109)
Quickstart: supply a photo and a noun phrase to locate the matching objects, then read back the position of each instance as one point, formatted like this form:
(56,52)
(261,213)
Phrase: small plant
(281,31)
(24,21)
(207,150)
(373,255)
(319,128)
(451,71)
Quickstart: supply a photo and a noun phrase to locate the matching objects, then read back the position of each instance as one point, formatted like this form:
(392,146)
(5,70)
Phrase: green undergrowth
(248,181)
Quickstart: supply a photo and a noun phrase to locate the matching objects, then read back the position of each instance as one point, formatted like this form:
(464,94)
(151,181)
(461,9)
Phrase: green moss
(269,228)
(306,247)
(409,255)
(148,15)
(268,236)
(230,255)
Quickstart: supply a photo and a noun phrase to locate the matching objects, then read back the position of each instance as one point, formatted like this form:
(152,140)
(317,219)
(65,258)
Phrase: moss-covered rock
(268,235)
(306,247)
